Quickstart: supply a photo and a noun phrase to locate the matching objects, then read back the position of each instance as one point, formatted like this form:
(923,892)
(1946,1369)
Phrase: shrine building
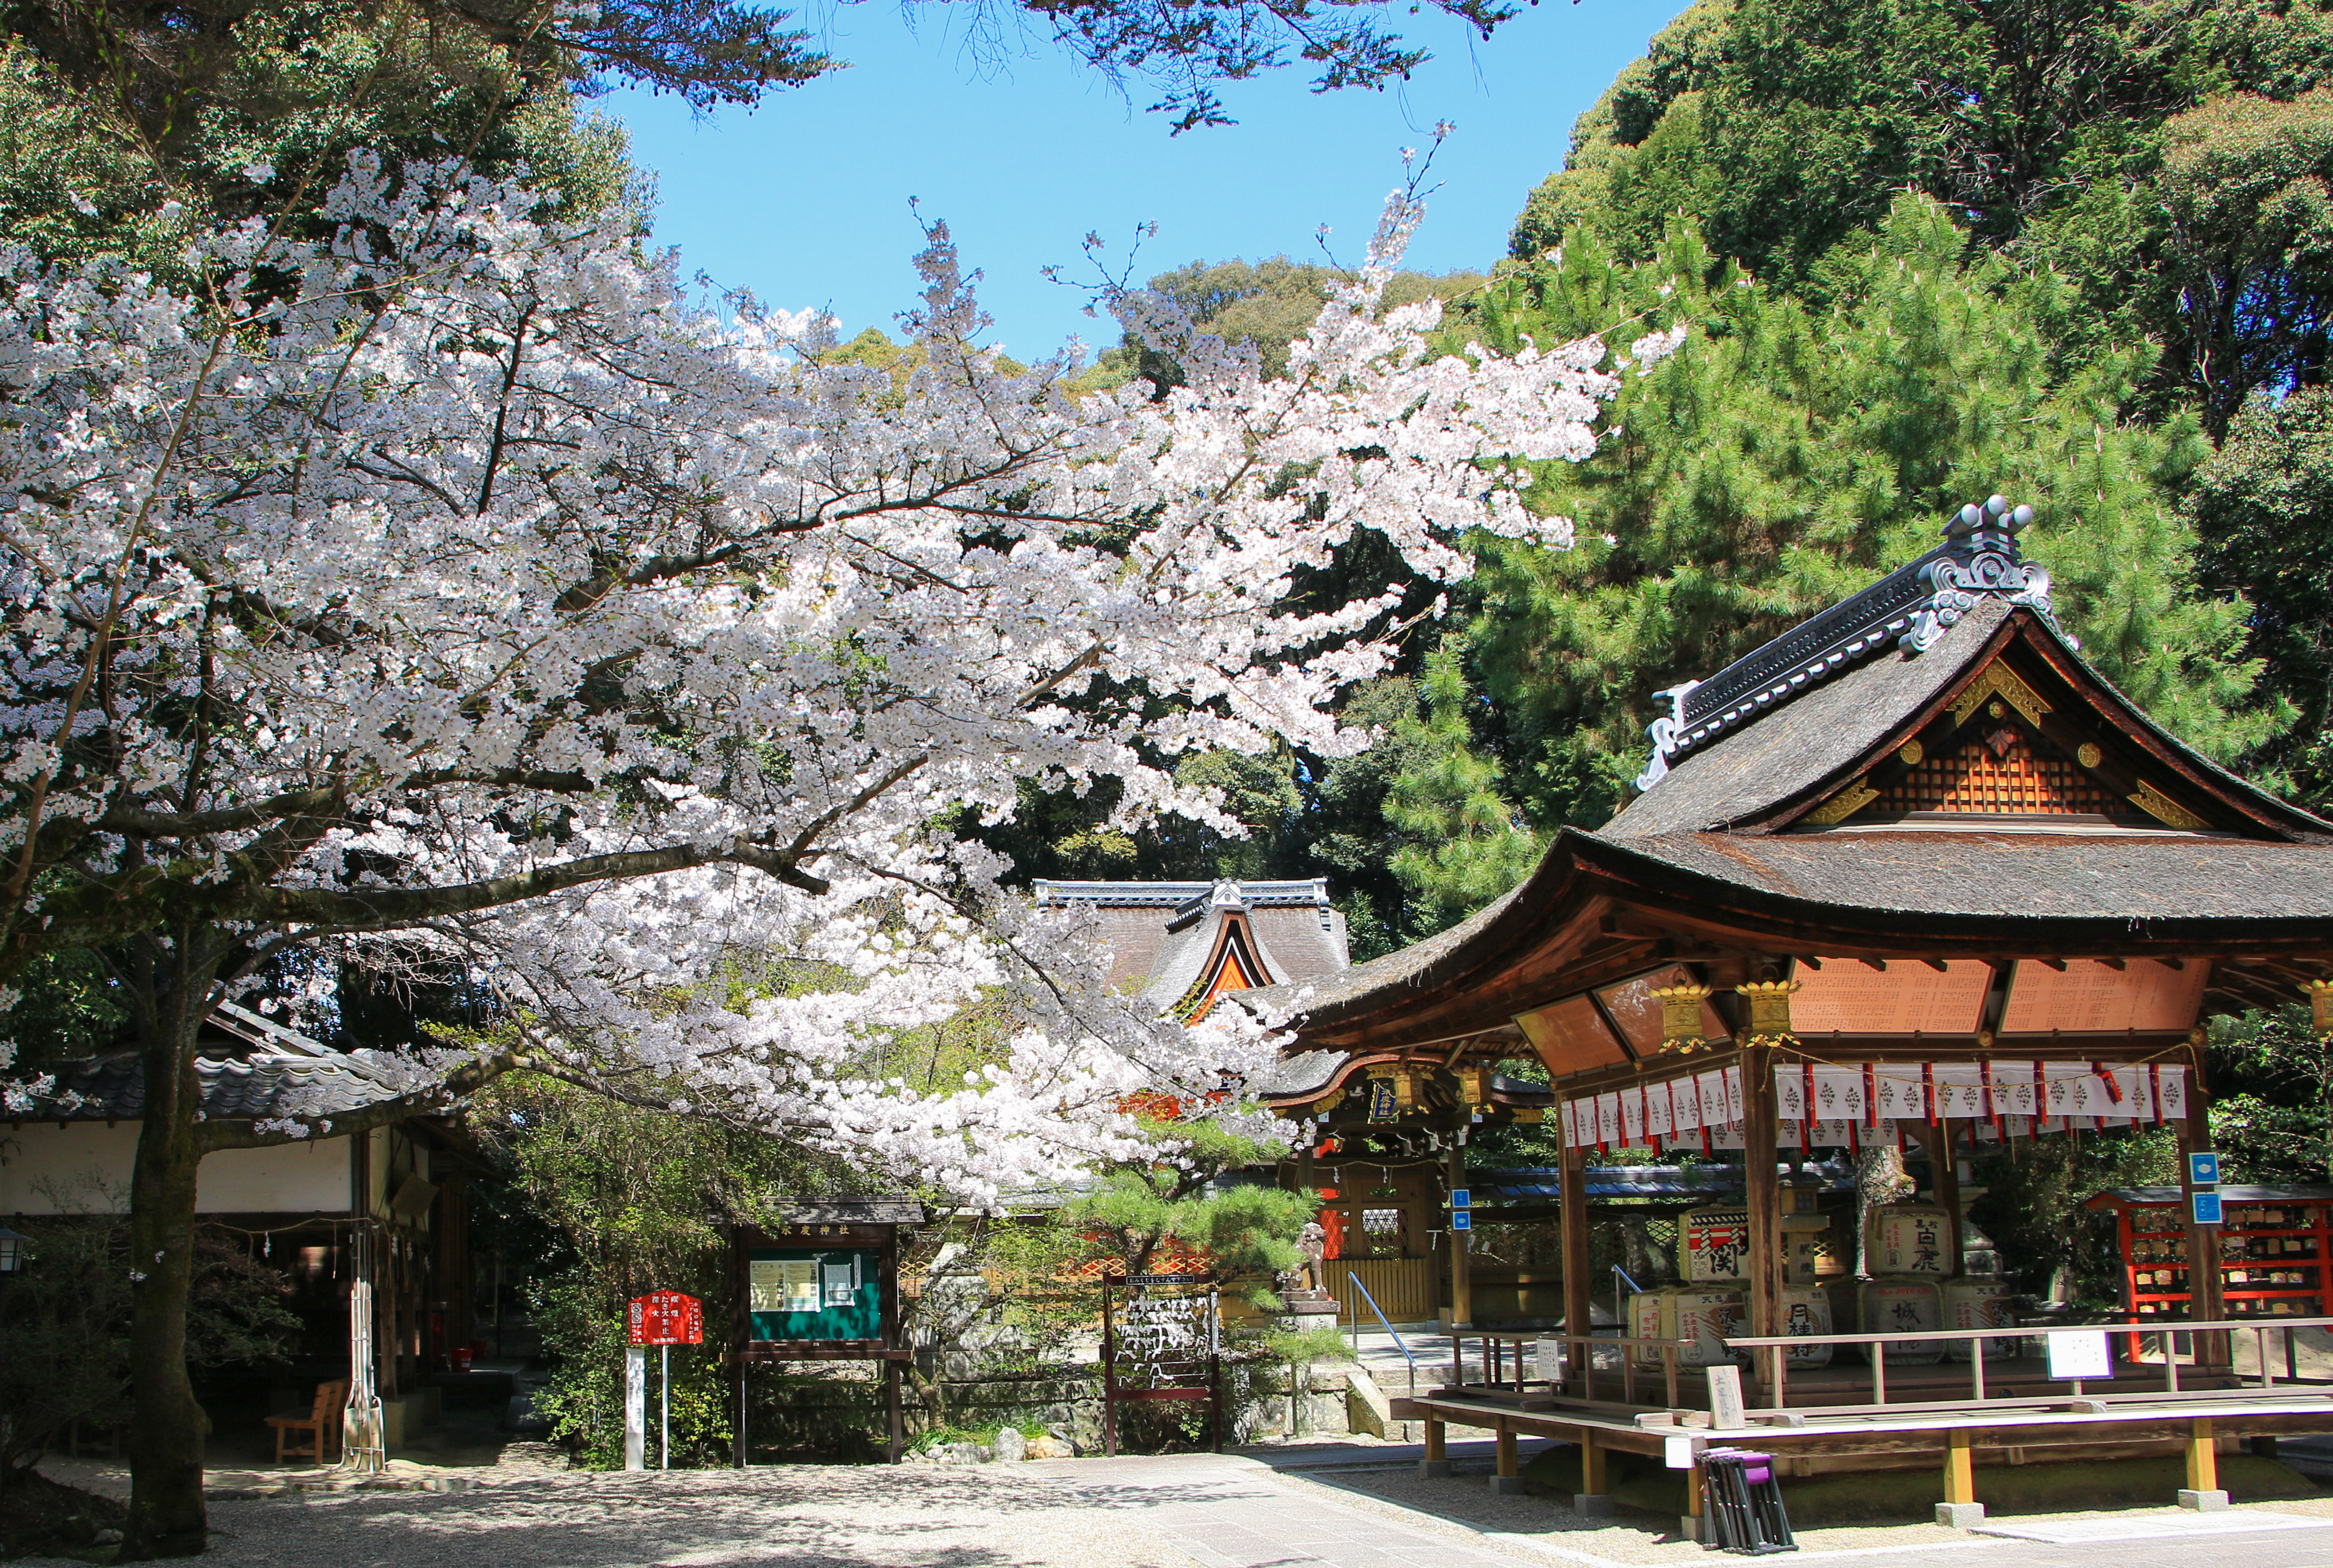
(1911,875)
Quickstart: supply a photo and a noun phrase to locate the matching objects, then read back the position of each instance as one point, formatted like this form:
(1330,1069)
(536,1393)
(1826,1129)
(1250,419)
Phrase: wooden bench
(321,1422)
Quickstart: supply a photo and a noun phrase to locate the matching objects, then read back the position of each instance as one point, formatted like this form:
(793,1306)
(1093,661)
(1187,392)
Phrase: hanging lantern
(1385,1095)
(1681,1027)
(1770,1008)
(2321,1006)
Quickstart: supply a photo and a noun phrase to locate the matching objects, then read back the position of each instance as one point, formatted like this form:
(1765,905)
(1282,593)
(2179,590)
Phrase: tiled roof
(894,1208)
(234,1089)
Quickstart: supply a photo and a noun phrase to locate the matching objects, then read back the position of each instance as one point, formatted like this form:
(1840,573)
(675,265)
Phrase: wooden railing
(1778,1349)
(1771,1355)
(1495,1340)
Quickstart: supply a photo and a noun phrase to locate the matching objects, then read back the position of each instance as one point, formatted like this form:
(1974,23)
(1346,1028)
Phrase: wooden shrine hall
(1910,873)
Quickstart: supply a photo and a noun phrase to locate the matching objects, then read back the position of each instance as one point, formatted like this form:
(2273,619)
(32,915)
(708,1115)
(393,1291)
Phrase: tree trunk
(1878,1179)
(166,1518)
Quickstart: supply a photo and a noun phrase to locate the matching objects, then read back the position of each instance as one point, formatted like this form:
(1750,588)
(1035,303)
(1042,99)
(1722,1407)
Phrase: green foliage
(2272,1098)
(67,1010)
(1268,304)
(1465,844)
(64,1323)
(636,1200)
(2264,510)
(2166,160)
(1786,455)
(2033,1207)
(1249,1231)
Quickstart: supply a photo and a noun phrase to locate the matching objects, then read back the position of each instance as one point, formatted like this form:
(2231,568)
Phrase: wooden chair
(321,1423)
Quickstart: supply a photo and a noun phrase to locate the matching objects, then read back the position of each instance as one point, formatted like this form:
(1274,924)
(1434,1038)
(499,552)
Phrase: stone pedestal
(1304,1310)
(2203,1502)
(1960,1515)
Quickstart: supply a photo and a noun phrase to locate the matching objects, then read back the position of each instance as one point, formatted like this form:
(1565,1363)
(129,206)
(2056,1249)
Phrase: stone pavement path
(1231,1512)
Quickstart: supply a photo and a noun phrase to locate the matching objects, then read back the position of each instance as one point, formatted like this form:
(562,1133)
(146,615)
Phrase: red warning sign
(665,1317)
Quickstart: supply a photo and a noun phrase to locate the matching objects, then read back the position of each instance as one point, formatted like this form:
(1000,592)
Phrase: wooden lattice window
(1997,773)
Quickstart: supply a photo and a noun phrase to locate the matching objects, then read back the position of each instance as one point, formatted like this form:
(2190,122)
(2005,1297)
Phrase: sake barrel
(1648,1318)
(1713,1243)
(1705,1315)
(1806,1309)
(1905,1306)
(1913,1238)
(1978,1302)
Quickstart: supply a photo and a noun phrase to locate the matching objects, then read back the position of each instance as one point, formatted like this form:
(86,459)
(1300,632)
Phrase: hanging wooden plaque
(1847,997)
(2091,997)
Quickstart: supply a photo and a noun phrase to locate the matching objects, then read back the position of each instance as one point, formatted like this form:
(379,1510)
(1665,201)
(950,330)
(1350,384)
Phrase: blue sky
(804,199)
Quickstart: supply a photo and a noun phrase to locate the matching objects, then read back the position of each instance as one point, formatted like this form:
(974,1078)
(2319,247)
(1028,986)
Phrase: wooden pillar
(1507,1462)
(1572,1217)
(2206,1293)
(2202,1458)
(1461,1278)
(1763,1193)
(1960,1467)
(1437,1461)
(891,1370)
(1592,1464)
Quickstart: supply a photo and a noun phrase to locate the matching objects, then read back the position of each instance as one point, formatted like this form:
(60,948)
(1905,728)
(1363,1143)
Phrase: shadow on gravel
(808,1517)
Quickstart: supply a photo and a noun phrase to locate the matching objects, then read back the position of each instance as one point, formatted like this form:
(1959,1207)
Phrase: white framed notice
(2080,1355)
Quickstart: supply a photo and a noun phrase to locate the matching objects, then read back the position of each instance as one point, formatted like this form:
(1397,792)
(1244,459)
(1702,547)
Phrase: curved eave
(1468,986)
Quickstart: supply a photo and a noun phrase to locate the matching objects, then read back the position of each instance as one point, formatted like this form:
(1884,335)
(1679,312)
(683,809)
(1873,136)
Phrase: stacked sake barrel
(1913,1292)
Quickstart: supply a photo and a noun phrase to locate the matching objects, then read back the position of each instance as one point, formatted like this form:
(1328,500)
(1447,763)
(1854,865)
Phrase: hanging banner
(1790,1093)
(1632,1117)
(1684,1095)
(2012,1088)
(1660,1113)
(2171,1085)
(1960,1089)
(1899,1098)
(1607,1119)
(1838,1094)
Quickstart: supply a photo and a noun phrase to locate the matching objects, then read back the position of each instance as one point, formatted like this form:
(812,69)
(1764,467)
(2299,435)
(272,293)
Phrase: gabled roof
(1783,811)
(1178,944)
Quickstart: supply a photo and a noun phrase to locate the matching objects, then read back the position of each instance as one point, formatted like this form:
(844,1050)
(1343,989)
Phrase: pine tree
(1783,458)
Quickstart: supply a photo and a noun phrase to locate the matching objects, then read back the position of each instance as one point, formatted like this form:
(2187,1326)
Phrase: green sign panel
(814,1293)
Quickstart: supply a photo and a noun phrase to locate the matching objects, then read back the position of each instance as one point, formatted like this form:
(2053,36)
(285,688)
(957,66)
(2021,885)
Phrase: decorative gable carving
(1997,772)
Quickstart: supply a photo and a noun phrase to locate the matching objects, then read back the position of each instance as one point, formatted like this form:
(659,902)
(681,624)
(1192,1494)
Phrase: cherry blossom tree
(456,587)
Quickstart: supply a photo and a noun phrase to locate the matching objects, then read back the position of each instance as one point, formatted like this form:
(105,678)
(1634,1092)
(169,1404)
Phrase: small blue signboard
(2207,1209)
(1462,1197)
(1462,1220)
(2203,1168)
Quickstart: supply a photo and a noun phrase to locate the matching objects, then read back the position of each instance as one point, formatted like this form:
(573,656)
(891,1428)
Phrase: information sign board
(1461,1198)
(2208,1211)
(2080,1355)
(1462,1220)
(665,1317)
(2203,1168)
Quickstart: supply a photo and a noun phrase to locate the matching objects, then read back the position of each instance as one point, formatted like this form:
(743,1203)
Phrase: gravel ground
(803,1516)
(1467,1506)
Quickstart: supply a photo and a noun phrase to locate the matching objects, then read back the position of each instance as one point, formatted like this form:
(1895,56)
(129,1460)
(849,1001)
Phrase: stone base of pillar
(1960,1515)
(2203,1502)
(1433,1469)
(1591,1503)
(1506,1486)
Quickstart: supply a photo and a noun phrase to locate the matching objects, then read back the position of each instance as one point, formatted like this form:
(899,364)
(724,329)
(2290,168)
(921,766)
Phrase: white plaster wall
(45,1169)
